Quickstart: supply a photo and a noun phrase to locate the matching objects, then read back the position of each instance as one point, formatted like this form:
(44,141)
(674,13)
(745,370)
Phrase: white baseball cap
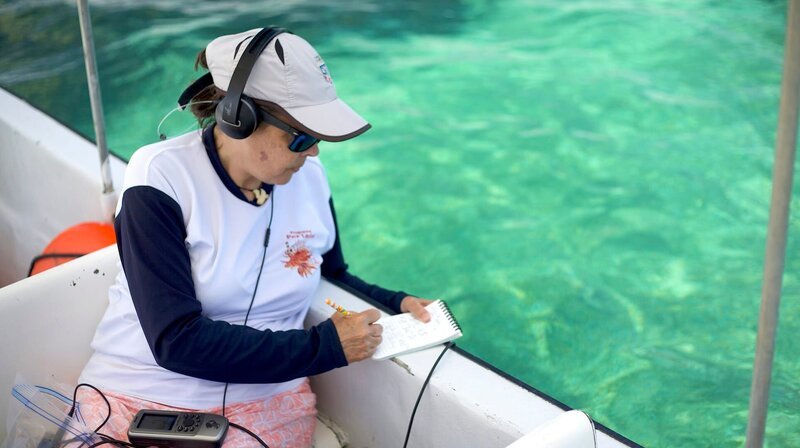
(290,74)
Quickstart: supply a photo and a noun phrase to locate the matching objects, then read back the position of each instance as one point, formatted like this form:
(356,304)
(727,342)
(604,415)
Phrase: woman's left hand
(416,306)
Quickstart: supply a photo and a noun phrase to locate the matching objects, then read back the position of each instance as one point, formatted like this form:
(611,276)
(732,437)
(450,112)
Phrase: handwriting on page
(398,337)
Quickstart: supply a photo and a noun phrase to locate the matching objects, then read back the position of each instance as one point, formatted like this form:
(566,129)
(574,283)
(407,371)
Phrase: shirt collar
(211,149)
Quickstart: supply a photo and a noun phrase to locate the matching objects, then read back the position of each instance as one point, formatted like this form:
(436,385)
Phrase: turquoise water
(586,183)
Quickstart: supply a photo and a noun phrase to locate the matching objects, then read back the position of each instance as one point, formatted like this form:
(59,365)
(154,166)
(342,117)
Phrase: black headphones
(236,114)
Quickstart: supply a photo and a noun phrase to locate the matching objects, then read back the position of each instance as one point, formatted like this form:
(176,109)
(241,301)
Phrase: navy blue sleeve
(150,238)
(334,268)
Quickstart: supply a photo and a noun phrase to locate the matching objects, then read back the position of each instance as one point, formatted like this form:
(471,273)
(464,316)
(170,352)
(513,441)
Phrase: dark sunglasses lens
(302,142)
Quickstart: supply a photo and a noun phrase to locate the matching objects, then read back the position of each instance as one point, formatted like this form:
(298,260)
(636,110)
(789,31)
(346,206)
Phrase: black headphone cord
(447,345)
(252,299)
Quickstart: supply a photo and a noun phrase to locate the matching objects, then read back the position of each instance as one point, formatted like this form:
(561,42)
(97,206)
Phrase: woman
(223,236)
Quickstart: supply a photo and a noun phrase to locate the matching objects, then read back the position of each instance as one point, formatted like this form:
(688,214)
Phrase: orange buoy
(72,243)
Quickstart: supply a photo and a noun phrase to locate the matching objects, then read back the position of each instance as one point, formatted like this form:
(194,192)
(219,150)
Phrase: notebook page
(403,332)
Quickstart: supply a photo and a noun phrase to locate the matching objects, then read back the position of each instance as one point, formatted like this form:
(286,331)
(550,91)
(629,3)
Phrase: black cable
(252,434)
(104,442)
(250,307)
(424,385)
(258,279)
(74,403)
(109,440)
(106,438)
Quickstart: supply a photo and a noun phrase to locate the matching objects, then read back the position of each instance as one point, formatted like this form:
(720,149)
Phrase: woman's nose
(313,151)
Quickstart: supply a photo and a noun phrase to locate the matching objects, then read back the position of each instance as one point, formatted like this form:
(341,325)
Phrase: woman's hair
(204,103)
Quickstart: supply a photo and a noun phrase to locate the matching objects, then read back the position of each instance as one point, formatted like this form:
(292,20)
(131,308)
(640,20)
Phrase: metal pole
(782,173)
(94,94)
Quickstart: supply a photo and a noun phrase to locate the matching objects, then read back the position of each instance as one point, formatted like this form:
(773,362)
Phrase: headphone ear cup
(248,119)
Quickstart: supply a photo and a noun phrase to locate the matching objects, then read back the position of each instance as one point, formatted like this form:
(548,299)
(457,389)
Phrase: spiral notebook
(403,333)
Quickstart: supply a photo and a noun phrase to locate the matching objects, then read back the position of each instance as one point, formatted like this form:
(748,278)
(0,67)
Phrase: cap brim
(333,122)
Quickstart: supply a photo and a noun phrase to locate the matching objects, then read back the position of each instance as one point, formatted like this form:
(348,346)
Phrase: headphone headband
(231,104)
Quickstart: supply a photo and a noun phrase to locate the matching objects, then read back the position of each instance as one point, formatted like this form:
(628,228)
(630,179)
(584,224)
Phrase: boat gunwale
(494,369)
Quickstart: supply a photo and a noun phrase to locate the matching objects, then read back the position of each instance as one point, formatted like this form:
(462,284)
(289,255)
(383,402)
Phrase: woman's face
(268,157)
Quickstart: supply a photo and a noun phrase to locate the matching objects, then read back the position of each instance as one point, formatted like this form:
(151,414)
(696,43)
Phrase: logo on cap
(324,69)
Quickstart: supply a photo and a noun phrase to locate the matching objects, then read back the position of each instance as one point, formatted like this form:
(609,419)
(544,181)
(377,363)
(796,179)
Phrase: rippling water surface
(586,183)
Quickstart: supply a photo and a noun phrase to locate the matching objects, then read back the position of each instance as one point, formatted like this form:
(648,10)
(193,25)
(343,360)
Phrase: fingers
(358,334)
(419,311)
(416,307)
(371,315)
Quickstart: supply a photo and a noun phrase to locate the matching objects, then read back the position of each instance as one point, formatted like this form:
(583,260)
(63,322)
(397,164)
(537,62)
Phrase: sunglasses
(301,141)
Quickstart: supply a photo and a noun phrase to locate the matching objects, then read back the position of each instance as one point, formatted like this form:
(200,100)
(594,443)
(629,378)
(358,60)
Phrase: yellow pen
(337,307)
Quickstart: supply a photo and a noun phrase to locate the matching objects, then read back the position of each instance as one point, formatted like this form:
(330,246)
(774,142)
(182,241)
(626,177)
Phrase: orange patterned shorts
(285,420)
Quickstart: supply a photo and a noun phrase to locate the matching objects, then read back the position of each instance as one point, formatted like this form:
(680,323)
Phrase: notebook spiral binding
(450,316)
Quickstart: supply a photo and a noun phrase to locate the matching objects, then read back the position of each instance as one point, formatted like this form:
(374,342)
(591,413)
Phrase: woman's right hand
(358,333)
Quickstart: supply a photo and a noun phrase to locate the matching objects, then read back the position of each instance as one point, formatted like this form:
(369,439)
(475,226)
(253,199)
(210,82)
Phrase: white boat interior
(49,182)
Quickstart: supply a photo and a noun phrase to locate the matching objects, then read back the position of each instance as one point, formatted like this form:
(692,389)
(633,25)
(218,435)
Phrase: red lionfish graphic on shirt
(297,255)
